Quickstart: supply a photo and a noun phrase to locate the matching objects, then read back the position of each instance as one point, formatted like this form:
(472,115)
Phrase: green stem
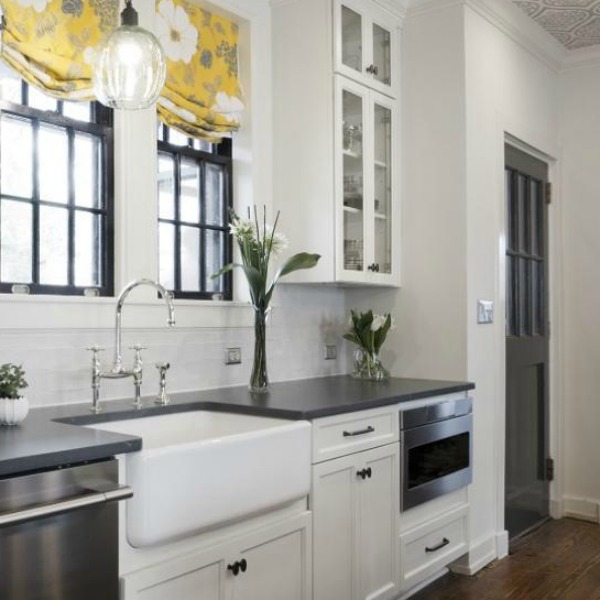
(259,380)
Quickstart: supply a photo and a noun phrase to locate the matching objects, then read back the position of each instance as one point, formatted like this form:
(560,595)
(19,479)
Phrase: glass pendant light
(129,67)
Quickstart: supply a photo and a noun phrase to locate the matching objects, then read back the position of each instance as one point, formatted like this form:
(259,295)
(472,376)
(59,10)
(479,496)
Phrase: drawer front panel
(427,549)
(345,434)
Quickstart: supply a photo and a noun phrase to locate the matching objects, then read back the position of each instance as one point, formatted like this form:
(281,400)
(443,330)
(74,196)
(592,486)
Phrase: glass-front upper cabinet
(353,173)
(366,44)
(382,186)
(367,195)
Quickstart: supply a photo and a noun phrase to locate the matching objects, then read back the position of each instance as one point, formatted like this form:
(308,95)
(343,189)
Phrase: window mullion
(71,204)
(177,257)
(35,275)
(202,254)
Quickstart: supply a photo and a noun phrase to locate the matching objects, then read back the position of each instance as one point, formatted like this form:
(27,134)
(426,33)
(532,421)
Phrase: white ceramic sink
(202,469)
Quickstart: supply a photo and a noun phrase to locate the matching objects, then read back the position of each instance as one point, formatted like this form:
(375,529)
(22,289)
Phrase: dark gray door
(527,486)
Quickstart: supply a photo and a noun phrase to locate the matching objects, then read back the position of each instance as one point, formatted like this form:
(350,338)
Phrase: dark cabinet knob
(373,70)
(237,566)
(365,473)
(374,268)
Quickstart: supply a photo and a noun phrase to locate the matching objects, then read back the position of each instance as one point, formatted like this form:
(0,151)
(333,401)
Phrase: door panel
(275,569)
(379,509)
(334,522)
(527,356)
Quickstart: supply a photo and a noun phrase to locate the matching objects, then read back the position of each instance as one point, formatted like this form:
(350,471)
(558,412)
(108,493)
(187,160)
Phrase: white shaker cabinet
(270,562)
(355,522)
(366,45)
(336,137)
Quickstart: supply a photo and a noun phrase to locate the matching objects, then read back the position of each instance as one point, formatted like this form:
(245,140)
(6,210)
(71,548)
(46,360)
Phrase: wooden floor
(559,561)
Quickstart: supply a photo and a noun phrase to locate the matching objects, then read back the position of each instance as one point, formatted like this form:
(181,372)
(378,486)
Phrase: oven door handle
(68,505)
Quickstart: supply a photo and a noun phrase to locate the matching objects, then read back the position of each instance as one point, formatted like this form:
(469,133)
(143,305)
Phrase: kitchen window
(56,188)
(194,198)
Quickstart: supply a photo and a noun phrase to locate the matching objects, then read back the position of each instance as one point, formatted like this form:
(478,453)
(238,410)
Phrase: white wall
(430,338)
(49,334)
(509,90)
(581,280)
(468,78)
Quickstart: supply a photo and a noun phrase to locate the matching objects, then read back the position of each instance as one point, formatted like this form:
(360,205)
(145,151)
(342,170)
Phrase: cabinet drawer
(344,434)
(431,547)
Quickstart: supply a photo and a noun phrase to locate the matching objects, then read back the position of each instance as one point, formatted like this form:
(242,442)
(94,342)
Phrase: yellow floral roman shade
(50,43)
(202,96)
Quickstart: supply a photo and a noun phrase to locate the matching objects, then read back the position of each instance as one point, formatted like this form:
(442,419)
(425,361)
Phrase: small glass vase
(259,379)
(367,365)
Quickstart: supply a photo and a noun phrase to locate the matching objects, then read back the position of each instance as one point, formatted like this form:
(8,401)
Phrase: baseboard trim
(582,508)
(481,553)
(422,585)
(502,544)
(557,509)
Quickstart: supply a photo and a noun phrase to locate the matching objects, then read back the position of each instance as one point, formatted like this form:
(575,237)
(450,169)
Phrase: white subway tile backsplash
(302,321)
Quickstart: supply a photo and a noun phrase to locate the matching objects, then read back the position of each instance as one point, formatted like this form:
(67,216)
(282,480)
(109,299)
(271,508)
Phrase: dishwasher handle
(68,505)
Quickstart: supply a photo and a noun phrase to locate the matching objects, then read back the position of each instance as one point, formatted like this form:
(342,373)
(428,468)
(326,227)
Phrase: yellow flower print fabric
(202,96)
(50,43)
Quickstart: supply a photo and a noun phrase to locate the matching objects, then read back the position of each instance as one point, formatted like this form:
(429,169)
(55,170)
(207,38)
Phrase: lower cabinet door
(276,565)
(191,577)
(333,502)
(356,506)
(379,510)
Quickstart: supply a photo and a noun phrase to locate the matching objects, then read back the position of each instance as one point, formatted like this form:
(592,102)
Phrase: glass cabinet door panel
(352,51)
(383,188)
(382,61)
(353,190)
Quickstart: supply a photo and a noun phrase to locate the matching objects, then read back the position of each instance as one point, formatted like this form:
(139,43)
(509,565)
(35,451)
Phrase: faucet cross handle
(137,348)
(95,349)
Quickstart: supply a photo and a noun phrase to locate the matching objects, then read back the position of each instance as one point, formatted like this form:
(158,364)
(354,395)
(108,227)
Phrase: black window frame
(219,154)
(100,126)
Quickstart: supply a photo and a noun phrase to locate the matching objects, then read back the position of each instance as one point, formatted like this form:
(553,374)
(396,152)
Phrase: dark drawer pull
(368,429)
(441,545)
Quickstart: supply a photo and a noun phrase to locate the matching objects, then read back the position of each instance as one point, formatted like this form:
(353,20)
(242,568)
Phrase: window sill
(79,312)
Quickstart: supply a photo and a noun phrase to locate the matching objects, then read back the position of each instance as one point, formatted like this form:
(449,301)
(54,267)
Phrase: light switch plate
(233,356)
(485,312)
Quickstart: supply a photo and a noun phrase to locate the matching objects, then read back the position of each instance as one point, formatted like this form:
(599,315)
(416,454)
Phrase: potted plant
(258,244)
(368,331)
(13,406)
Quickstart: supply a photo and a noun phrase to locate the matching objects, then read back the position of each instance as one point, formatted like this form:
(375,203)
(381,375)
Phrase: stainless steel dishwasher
(59,534)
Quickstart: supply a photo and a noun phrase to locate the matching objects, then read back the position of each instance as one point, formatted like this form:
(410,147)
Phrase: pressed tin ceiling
(574,23)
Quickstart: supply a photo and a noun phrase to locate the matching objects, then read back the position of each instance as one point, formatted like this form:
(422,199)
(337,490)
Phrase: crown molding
(582,58)
(508,18)
(397,7)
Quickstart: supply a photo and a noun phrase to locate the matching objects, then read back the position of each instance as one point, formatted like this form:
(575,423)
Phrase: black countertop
(53,436)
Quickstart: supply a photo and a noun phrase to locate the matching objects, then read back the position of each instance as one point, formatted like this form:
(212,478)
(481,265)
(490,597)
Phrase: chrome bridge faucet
(117,370)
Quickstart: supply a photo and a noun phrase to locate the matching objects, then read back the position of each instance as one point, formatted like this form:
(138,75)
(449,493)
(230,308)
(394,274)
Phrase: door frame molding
(524,139)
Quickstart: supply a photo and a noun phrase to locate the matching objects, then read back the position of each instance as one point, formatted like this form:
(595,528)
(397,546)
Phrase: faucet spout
(166,296)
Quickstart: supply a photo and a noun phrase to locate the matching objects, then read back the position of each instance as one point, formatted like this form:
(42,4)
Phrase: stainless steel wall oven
(436,444)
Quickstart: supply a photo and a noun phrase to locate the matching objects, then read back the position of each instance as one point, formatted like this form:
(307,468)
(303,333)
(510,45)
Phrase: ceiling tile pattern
(574,23)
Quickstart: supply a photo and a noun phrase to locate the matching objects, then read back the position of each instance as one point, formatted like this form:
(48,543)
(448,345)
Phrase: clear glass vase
(367,365)
(259,379)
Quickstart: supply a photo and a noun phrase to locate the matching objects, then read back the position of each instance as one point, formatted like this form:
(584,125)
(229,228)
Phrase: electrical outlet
(233,356)
(330,352)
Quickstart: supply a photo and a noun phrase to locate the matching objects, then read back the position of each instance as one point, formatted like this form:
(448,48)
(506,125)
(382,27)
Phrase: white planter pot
(12,412)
